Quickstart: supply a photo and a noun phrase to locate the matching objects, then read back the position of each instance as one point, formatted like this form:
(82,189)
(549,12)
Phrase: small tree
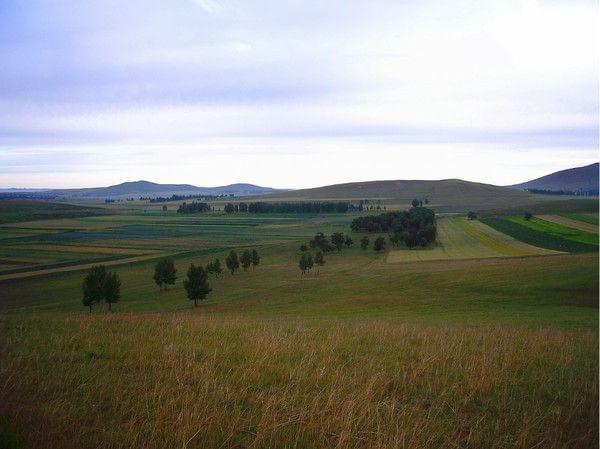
(246,260)
(165,273)
(319,259)
(309,261)
(364,242)
(303,247)
(210,267)
(415,202)
(303,264)
(379,244)
(471,215)
(337,239)
(232,262)
(112,289)
(196,284)
(217,268)
(164,208)
(93,286)
(255,259)
(348,242)
(528,216)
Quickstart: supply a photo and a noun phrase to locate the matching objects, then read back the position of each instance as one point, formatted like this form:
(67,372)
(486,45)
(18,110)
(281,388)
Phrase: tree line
(415,227)
(193,208)
(101,285)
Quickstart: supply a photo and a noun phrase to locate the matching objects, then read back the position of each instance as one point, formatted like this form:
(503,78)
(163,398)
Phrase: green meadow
(488,338)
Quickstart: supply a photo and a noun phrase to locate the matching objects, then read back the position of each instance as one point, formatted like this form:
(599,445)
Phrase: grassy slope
(558,230)
(26,210)
(586,218)
(446,195)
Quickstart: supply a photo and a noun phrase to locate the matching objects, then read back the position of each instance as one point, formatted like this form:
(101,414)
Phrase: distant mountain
(447,195)
(151,189)
(580,179)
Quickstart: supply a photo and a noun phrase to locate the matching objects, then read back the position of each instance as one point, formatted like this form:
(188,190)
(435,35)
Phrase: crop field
(483,340)
(570,223)
(544,234)
(589,218)
(459,238)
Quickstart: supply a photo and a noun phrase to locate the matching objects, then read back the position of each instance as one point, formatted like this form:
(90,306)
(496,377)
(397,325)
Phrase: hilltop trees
(165,273)
(232,261)
(100,284)
(196,285)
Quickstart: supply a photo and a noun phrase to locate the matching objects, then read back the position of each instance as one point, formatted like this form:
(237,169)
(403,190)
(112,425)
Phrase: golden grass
(575,224)
(185,380)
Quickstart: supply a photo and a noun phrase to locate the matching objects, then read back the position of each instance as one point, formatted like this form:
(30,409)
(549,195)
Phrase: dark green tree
(112,289)
(471,215)
(528,216)
(93,286)
(364,242)
(232,261)
(217,268)
(309,261)
(229,208)
(165,273)
(246,260)
(164,208)
(303,264)
(303,247)
(337,239)
(415,202)
(348,241)
(379,244)
(319,260)
(196,284)
(255,258)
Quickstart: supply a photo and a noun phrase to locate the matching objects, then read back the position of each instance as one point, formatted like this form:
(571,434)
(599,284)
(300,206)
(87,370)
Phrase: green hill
(448,195)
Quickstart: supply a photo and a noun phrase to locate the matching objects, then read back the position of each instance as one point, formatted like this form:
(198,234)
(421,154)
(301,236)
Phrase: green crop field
(585,218)
(486,339)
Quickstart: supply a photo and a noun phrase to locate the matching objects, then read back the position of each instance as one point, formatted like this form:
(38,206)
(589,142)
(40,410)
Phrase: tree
(471,215)
(196,284)
(309,261)
(112,289)
(164,208)
(229,208)
(246,260)
(306,262)
(232,262)
(255,259)
(379,244)
(364,242)
(415,202)
(528,216)
(319,259)
(243,207)
(217,269)
(165,273)
(348,242)
(303,247)
(321,242)
(337,239)
(93,286)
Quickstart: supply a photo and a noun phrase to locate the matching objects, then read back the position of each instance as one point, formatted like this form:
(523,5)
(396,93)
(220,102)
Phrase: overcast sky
(295,93)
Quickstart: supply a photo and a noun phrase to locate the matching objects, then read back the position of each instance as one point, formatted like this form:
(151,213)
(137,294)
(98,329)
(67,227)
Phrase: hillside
(580,179)
(151,189)
(448,195)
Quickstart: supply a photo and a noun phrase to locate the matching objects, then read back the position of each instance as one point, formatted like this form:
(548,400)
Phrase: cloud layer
(295,93)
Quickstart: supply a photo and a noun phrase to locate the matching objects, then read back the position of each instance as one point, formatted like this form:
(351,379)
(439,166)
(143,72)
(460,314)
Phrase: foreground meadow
(178,380)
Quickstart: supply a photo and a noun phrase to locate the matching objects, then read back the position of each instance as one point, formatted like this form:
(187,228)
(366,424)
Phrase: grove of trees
(193,208)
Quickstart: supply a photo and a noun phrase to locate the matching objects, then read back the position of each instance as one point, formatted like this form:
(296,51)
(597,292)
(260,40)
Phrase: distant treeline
(415,227)
(161,199)
(314,207)
(193,208)
(590,192)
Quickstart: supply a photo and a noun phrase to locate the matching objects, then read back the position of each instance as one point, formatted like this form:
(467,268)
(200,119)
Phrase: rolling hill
(448,195)
(580,179)
(151,189)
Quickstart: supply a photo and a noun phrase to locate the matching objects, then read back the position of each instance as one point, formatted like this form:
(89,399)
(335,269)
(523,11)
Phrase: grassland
(493,345)
(583,217)
(26,210)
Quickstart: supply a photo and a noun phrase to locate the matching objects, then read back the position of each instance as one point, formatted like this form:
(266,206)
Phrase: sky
(295,93)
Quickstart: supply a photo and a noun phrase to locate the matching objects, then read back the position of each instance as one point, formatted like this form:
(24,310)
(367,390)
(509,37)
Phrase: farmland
(483,339)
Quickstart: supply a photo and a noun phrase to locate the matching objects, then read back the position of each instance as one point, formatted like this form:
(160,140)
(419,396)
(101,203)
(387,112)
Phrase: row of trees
(307,262)
(336,241)
(415,227)
(193,208)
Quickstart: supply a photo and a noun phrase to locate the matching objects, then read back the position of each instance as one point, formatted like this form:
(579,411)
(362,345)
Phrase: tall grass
(183,380)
